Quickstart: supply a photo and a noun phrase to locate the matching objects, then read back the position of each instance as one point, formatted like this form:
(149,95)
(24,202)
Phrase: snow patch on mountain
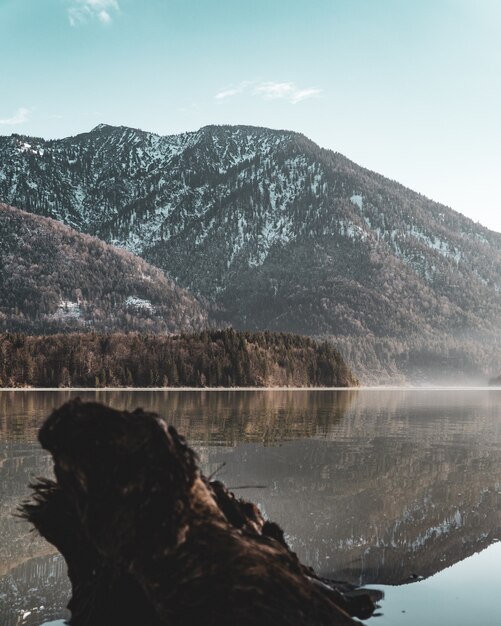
(357,200)
(441,246)
(138,303)
(67,309)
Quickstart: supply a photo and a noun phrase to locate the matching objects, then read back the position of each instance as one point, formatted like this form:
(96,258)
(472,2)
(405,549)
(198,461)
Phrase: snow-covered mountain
(276,231)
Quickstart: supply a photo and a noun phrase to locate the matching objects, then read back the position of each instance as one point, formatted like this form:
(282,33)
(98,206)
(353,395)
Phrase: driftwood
(150,541)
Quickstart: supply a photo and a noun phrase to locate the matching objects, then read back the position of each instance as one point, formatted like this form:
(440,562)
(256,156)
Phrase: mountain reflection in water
(371,486)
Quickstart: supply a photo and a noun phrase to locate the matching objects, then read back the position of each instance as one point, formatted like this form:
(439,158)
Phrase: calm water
(393,488)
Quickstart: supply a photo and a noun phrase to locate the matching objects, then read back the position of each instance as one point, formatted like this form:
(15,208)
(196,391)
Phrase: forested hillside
(439,359)
(209,359)
(283,234)
(275,233)
(53,278)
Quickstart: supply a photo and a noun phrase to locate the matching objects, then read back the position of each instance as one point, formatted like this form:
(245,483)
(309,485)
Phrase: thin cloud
(285,91)
(83,11)
(270,90)
(275,91)
(19,117)
(233,91)
(305,94)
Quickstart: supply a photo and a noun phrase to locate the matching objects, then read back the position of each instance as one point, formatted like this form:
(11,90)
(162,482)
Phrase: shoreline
(226,389)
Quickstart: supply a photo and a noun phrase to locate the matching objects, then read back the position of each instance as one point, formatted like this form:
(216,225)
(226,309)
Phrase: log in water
(149,539)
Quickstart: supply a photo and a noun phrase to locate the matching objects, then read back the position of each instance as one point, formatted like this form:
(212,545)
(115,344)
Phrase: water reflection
(371,486)
(465,594)
(225,417)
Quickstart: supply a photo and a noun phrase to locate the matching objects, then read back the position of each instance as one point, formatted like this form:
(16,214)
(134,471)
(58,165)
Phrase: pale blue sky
(409,88)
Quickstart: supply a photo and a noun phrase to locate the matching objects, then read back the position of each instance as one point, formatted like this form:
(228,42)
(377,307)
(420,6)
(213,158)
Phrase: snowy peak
(276,231)
(101,127)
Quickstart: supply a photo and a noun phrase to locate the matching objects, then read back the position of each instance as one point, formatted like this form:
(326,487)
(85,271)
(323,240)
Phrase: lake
(399,490)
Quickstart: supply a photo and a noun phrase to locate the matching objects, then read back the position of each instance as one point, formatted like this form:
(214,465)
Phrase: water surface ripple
(377,487)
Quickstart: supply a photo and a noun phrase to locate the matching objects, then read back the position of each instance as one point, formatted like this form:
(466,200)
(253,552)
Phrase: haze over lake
(377,487)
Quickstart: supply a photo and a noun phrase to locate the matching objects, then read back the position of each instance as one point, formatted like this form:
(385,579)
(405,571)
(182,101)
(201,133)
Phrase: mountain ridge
(276,232)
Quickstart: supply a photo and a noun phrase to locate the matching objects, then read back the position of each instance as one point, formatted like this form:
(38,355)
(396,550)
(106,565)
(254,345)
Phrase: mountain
(54,278)
(279,234)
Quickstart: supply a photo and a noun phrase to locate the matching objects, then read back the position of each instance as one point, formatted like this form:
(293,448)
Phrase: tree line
(213,358)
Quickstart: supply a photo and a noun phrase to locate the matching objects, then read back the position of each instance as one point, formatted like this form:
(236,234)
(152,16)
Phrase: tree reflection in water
(371,486)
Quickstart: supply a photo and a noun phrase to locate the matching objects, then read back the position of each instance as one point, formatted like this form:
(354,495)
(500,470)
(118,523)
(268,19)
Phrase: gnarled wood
(149,540)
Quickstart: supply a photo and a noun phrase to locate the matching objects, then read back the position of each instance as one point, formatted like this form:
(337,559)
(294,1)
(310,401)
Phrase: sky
(408,88)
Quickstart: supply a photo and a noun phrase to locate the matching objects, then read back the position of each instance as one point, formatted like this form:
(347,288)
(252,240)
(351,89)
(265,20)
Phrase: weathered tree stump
(150,541)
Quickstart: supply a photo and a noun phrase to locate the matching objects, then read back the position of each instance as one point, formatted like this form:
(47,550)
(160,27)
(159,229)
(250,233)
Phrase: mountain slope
(53,278)
(275,231)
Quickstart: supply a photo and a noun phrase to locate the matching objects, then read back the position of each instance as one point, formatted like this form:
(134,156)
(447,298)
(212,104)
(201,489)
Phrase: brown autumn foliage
(218,358)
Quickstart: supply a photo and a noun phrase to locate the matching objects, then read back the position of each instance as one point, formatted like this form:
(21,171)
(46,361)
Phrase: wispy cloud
(81,11)
(285,91)
(233,91)
(270,90)
(19,117)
